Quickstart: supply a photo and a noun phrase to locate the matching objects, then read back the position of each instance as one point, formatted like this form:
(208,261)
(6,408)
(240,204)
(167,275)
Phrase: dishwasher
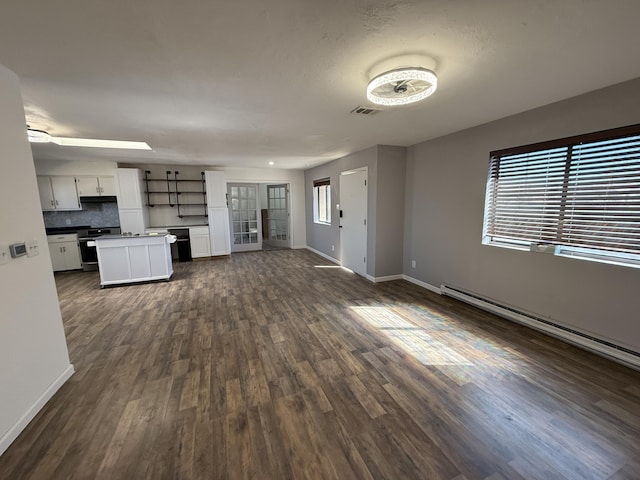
(181,249)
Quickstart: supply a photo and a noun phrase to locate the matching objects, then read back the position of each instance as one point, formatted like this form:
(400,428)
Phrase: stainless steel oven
(88,254)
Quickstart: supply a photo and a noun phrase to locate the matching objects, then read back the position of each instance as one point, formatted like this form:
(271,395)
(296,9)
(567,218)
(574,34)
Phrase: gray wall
(322,237)
(389,226)
(445,186)
(385,206)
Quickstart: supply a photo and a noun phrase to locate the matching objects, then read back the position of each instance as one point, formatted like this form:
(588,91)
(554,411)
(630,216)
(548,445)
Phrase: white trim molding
(8,438)
(324,255)
(571,335)
(422,284)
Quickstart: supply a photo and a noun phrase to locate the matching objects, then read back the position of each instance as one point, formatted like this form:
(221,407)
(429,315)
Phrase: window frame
(322,188)
(605,254)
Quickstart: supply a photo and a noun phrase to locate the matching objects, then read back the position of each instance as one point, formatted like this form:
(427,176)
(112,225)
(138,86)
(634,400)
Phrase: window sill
(573,254)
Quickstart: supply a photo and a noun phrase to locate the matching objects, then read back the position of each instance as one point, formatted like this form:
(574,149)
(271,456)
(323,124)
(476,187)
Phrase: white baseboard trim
(422,284)
(324,255)
(571,335)
(8,438)
(386,278)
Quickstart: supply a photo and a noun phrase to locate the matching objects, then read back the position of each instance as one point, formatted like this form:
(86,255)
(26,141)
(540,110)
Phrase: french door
(278,216)
(243,214)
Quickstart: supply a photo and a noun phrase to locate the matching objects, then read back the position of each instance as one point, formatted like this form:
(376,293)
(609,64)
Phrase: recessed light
(272,163)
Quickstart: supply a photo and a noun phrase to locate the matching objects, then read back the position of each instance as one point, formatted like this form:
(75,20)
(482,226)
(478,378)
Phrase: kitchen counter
(63,230)
(131,259)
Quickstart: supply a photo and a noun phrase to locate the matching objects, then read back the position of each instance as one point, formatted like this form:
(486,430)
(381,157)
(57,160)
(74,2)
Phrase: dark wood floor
(264,366)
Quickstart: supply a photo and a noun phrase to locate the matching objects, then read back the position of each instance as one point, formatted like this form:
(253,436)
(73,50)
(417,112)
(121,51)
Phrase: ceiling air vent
(365,111)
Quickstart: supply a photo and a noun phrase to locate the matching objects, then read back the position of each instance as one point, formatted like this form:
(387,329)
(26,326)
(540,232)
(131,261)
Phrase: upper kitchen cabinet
(96,186)
(216,189)
(58,193)
(130,191)
(134,216)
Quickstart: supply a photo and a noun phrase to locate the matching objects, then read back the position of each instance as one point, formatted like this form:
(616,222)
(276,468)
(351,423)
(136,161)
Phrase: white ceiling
(242,83)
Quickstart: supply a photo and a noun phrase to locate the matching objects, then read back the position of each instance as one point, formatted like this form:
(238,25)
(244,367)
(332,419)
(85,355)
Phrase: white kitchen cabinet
(64,252)
(219,231)
(58,193)
(96,186)
(200,242)
(216,188)
(129,188)
(134,216)
(132,220)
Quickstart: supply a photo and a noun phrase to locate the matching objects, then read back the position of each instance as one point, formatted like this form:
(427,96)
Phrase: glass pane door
(278,215)
(245,221)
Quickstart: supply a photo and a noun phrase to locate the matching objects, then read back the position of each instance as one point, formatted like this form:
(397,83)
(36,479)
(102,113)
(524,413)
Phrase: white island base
(142,258)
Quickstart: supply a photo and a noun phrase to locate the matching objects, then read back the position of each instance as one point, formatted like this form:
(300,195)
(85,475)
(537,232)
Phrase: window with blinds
(581,194)
(322,201)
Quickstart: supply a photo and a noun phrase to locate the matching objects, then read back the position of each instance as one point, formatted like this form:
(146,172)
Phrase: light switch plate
(32,248)
(5,256)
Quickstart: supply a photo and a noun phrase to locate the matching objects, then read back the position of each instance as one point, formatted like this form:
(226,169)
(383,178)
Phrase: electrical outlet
(333,248)
(33,249)
(5,256)
(413,264)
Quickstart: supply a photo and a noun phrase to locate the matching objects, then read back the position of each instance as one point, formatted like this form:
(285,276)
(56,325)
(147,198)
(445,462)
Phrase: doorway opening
(259,215)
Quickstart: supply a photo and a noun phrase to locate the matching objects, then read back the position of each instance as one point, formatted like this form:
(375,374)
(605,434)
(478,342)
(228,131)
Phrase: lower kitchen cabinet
(64,252)
(200,244)
(219,231)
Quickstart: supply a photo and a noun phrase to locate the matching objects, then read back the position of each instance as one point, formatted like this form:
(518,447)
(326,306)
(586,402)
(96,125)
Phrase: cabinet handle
(52,202)
(57,202)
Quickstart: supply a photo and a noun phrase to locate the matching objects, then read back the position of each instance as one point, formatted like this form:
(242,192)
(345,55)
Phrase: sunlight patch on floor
(410,337)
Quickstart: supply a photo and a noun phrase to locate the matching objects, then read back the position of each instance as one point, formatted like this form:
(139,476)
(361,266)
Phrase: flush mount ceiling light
(402,86)
(40,136)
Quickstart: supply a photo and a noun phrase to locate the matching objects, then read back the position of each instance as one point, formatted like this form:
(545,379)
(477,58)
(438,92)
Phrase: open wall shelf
(176,192)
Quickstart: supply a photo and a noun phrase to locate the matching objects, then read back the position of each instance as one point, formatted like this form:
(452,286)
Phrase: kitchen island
(131,259)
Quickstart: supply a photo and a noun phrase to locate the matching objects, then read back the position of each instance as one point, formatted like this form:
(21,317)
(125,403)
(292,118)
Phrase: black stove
(88,254)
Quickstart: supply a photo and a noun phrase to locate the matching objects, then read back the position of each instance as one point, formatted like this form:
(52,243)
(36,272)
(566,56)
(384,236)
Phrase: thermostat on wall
(18,249)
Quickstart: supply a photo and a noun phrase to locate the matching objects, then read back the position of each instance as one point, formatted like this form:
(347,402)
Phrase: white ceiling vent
(365,111)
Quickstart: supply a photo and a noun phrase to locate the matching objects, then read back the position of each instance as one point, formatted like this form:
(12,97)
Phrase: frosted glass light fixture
(402,86)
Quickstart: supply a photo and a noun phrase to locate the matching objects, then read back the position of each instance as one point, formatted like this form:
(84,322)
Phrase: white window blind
(581,193)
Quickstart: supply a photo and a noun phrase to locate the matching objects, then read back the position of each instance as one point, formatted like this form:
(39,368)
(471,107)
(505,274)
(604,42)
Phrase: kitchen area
(153,218)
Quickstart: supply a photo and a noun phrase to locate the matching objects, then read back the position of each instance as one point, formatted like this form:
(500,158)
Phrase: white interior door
(278,215)
(245,222)
(353,223)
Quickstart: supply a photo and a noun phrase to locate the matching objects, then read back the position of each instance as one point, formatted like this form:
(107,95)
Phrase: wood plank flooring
(266,366)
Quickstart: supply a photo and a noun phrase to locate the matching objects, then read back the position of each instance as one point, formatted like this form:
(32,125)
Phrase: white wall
(89,167)
(444,206)
(34,361)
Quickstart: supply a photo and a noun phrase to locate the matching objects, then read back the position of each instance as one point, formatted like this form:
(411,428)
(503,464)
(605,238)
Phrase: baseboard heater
(589,342)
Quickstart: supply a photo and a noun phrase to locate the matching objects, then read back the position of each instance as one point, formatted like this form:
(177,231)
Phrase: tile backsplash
(93,214)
